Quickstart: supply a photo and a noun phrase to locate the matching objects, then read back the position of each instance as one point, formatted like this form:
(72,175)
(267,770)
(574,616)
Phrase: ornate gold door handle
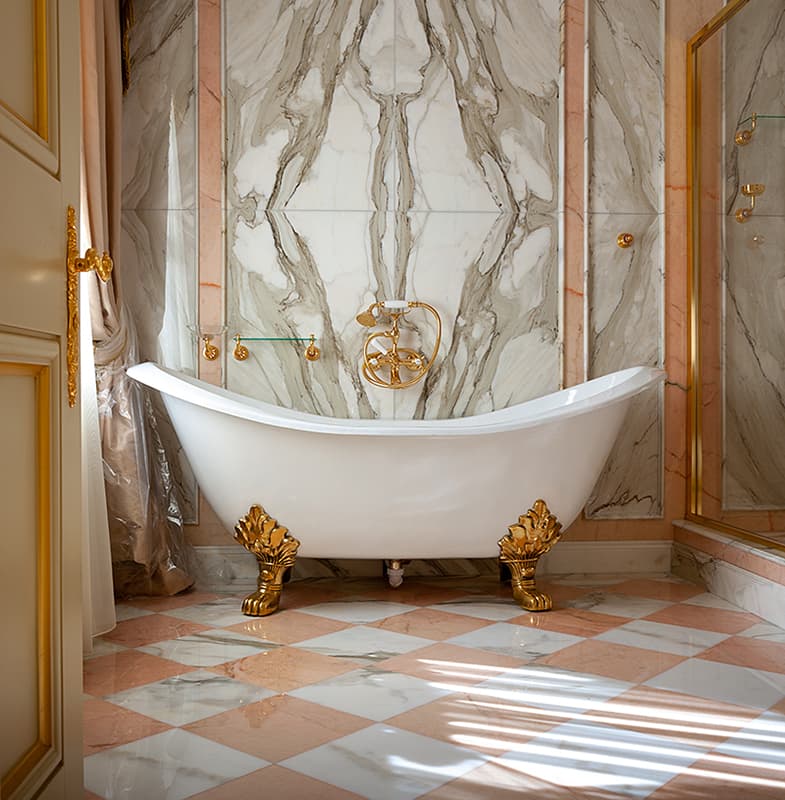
(102,264)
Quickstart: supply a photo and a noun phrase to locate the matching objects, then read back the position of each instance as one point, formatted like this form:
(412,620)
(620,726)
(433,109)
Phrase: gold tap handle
(209,351)
(103,265)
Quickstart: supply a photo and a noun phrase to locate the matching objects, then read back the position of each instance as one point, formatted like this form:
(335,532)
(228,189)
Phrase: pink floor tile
(285,668)
(705,618)
(751,653)
(277,728)
(691,720)
(465,721)
(451,664)
(612,660)
(276,782)
(659,590)
(107,725)
(724,779)
(288,627)
(575,621)
(430,624)
(153,628)
(119,671)
(498,782)
(168,603)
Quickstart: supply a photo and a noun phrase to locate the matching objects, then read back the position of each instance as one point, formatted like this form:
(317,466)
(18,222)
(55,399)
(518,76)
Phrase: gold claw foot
(534,535)
(275,550)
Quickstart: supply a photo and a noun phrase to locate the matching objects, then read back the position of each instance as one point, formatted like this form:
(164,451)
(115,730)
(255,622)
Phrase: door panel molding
(36,360)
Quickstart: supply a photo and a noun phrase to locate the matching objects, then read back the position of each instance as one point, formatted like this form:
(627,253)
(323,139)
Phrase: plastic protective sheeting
(149,552)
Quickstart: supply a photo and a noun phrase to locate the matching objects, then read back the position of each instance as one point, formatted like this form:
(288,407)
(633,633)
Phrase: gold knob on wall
(625,240)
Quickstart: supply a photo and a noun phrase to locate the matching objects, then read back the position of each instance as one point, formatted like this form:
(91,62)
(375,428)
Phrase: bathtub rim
(573,401)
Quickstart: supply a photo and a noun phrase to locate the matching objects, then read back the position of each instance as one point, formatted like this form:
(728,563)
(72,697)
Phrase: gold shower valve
(383,367)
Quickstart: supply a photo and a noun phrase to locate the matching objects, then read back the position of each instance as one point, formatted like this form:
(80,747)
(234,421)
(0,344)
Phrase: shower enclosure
(736,125)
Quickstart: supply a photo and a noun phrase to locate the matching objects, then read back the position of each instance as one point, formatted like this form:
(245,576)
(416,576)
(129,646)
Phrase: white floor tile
(555,690)
(103,647)
(664,638)
(515,640)
(208,648)
(187,698)
(370,694)
(168,766)
(724,682)
(765,631)
(366,645)
(581,756)
(358,612)
(218,613)
(620,605)
(386,763)
(492,609)
(712,601)
(124,612)
(762,742)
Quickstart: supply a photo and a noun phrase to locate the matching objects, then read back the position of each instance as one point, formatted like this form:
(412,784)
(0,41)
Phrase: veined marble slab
(753,274)
(625,302)
(394,149)
(625,125)
(158,245)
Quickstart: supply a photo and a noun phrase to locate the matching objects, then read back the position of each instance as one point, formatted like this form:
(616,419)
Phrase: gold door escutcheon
(102,264)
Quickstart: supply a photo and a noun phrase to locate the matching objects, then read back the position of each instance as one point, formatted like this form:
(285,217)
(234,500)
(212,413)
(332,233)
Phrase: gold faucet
(383,366)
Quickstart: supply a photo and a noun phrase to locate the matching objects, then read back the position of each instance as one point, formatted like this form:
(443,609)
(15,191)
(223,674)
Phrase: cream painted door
(40,506)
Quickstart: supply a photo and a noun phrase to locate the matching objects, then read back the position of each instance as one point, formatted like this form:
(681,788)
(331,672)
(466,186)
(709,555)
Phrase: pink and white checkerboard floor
(442,689)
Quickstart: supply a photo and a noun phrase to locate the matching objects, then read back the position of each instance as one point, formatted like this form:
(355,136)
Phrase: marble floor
(442,689)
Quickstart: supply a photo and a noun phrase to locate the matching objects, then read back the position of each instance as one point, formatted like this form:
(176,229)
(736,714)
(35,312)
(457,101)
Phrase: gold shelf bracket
(103,265)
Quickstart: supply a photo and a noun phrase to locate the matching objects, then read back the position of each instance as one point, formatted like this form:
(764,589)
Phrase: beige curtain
(145,524)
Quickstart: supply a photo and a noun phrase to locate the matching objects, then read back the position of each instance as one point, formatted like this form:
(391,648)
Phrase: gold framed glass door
(736,237)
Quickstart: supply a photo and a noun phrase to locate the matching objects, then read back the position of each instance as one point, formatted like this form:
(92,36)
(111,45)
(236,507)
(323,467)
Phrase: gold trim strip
(695,399)
(27,763)
(41,71)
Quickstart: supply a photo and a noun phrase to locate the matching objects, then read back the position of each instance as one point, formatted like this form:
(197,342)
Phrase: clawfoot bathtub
(397,489)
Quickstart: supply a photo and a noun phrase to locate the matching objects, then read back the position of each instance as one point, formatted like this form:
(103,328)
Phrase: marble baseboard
(228,568)
(758,594)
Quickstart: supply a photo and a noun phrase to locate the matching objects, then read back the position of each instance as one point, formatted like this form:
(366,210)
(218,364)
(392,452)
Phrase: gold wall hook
(625,240)
(744,137)
(395,367)
(751,190)
(102,264)
(209,350)
(240,351)
(312,352)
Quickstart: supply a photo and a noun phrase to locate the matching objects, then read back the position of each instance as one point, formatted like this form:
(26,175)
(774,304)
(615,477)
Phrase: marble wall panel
(158,247)
(395,148)
(753,335)
(625,288)
(625,126)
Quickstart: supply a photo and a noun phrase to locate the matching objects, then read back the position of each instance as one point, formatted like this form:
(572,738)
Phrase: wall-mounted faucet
(388,365)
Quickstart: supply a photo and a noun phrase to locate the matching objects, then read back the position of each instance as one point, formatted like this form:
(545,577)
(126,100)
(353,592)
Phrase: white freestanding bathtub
(397,489)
